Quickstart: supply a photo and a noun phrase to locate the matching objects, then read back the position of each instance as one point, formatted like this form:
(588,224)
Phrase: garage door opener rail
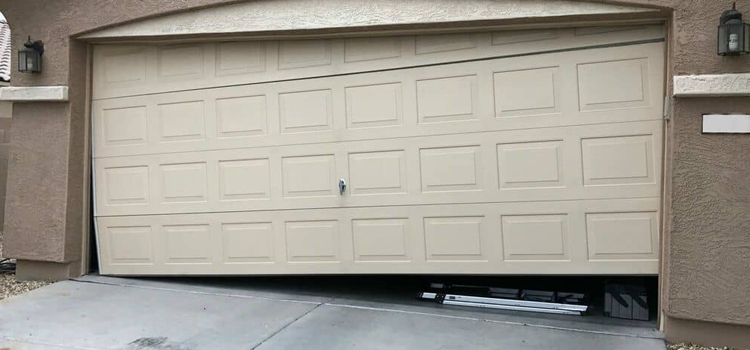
(551,302)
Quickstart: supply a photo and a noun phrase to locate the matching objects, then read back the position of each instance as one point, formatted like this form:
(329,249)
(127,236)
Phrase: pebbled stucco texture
(36,199)
(706,236)
(272,15)
(709,85)
(709,243)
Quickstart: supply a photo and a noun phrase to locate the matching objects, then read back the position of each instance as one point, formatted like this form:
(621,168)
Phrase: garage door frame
(90,100)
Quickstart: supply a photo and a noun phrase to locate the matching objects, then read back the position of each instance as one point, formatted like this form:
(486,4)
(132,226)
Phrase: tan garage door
(531,152)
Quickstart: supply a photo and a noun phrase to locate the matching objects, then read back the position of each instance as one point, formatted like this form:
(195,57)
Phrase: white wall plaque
(726,123)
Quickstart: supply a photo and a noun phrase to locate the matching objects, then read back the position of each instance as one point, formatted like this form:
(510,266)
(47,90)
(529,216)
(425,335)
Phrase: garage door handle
(342,186)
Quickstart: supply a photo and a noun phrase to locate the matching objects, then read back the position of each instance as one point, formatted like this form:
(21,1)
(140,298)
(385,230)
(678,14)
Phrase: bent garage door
(529,152)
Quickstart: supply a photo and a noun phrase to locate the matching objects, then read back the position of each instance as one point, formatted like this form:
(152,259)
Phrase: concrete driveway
(97,312)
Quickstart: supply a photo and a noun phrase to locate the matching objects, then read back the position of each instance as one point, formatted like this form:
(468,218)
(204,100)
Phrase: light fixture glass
(734,35)
(30,57)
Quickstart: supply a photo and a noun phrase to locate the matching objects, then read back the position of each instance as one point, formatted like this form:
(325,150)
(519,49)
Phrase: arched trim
(304,15)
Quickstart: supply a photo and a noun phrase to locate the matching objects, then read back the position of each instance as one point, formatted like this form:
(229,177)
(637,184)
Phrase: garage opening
(534,152)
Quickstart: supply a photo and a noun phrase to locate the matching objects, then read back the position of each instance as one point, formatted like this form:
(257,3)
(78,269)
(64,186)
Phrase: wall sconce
(30,57)
(734,35)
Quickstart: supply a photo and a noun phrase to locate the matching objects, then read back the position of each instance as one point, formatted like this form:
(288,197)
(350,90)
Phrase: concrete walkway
(97,312)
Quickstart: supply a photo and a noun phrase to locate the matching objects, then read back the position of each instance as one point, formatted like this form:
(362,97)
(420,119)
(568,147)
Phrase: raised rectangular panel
(523,36)
(312,241)
(583,31)
(126,185)
(186,244)
(446,99)
(525,92)
(453,238)
(241,116)
(374,106)
(367,49)
(182,121)
(309,176)
(181,61)
(613,84)
(618,160)
(530,164)
(450,169)
(244,179)
(304,53)
(626,236)
(186,182)
(234,58)
(126,67)
(307,111)
(377,172)
(247,242)
(380,240)
(125,126)
(535,237)
(130,245)
(433,43)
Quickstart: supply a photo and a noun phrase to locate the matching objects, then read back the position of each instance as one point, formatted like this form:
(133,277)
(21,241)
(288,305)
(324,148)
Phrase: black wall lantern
(734,35)
(30,57)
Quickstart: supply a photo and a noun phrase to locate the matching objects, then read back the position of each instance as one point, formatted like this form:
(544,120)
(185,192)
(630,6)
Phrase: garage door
(528,152)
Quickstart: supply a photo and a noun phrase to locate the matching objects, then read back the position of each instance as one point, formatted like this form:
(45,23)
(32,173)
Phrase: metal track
(506,304)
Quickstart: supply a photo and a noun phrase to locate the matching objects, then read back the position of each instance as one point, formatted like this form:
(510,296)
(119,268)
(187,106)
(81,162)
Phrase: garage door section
(533,152)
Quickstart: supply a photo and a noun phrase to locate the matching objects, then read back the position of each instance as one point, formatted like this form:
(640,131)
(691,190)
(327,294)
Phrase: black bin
(626,301)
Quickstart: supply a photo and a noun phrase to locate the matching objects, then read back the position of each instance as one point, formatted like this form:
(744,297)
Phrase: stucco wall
(710,237)
(6,113)
(707,242)
(36,196)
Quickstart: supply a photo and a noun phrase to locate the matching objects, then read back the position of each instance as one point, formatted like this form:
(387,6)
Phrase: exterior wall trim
(301,15)
(712,85)
(34,94)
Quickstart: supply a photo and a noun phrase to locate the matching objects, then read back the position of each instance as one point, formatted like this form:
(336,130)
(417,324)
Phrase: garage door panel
(244,179)
(377,173)
(527,92)
(382,240)
(247,242)
(227,157)
(616,160)
(241,116)
(454,237)
(613,84)
(180,62)
(622,236)
(124,126)
(536,237)
(306,111)
(450,169)
(532,164)
(523,37)
(128,70)
(237,58)
(601,236)
(374,106)
(505,94)
(130,245)
(309,176)
(304,53)
(570,163)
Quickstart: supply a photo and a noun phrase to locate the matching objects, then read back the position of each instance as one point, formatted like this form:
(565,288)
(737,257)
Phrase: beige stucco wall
(6,113)
(707,199)
(709,242)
